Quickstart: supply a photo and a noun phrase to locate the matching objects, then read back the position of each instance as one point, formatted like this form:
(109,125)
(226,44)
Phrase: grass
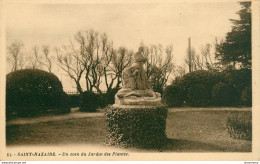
(187,131)
(240,125)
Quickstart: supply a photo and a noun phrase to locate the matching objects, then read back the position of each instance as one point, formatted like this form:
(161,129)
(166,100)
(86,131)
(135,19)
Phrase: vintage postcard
(129,80)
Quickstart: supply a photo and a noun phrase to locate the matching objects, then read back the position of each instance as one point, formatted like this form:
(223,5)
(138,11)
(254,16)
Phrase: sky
(127,24)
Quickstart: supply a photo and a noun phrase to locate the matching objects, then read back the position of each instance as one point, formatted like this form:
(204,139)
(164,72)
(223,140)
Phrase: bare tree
(179,71)
(101,60)
(67,58)
(45,59)
(33,58)
(90,57)
(196,62)
(158,68)
(208,60)
(92,54)
(121,59)
(16,58)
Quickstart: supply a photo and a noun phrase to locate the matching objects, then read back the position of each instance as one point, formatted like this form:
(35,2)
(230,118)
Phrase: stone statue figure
(134,77)
(136,89)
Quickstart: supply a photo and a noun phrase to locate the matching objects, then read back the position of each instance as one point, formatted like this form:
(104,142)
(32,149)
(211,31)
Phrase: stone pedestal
(136,125)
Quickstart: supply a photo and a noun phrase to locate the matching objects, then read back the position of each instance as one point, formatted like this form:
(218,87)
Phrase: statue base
(138,97)
(136,125)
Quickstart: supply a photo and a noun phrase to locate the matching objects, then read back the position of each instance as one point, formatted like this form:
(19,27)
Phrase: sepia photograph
(140,80)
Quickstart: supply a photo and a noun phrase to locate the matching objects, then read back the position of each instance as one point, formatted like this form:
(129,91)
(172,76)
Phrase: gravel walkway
(209,109)
(76,114)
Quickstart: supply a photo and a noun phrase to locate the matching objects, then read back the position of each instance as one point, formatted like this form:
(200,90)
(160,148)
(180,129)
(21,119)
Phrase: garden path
(75,113)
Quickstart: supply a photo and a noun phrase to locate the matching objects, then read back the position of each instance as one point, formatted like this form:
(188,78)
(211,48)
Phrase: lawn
(187,131)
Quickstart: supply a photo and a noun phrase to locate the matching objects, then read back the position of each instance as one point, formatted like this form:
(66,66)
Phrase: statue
(136,89)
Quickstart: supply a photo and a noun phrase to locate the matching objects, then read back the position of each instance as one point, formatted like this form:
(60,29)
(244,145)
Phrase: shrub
(74,100)
(198,87)
(198,96)
(101,100)
(246,96)
(239,125)
(173,95)
(223,94)
(31,92)
(238,79)
(88,101)
(110,96)
(63,104)
(136,127)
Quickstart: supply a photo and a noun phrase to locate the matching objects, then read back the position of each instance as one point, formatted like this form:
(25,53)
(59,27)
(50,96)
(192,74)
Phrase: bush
(63,104)
(104,99)
(136,127)
(238,79)
(173,95)
(239,125)
(198,96)
(31,92)
(110,96)
(223,94)
(205,88)
(101,100)
(198,87)
(88,102)
(74,100)
(246,96)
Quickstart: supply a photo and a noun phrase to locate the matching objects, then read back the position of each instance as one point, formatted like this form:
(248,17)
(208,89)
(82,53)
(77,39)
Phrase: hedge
(31,92)
(239,80)
(88,102)
(223,94)
(142,127)
(173,94)
(195,89)
(198,87)
(206,88)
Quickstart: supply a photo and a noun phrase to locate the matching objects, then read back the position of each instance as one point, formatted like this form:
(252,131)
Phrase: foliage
(136,127)
(74,100)
(198,96)
(236,49)
(205,88)
(246,96)
(238,80)
(110,96)
(31,92)
(101,100)
(223,94)
(88,101)
(173,94)
(63,104)
(239,125)
(198,87)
